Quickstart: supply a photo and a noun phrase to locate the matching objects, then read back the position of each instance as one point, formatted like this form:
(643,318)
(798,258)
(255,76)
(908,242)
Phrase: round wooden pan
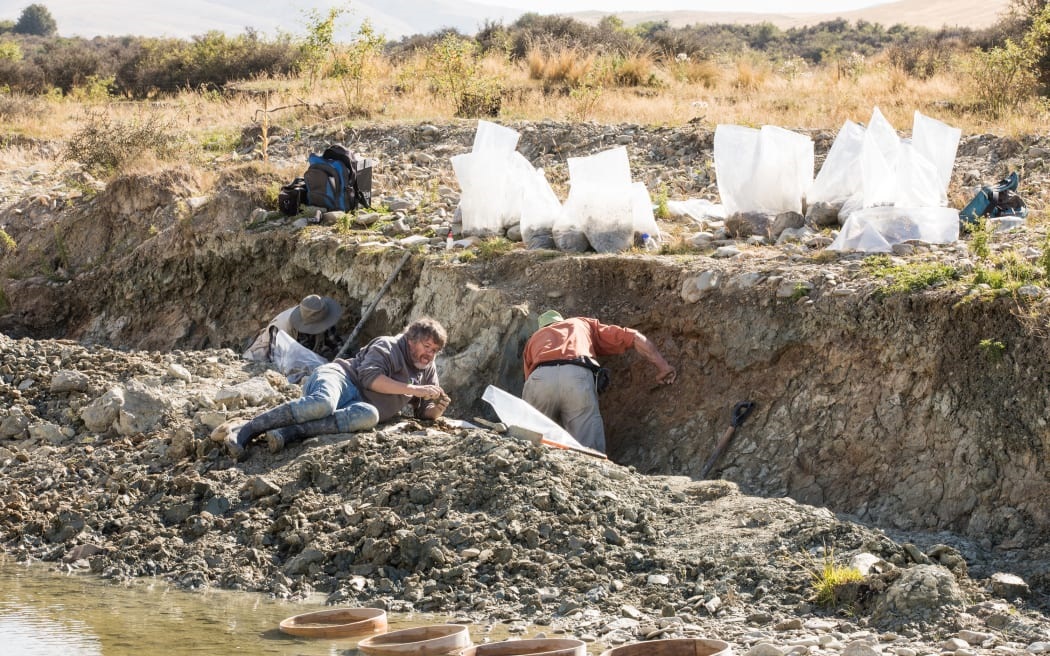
(533,647)
(673,647)
(338,623)
(419,641)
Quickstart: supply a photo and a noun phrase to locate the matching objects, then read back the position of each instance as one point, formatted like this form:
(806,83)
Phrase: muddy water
(43,612)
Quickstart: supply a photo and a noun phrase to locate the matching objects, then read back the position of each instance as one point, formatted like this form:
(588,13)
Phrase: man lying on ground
(353,395)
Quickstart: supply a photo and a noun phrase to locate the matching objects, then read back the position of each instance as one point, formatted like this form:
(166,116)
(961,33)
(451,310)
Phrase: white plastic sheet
(513,411)
(876,229)
(697,209)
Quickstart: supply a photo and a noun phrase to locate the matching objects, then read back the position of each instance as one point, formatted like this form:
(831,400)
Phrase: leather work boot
(275,441)
(236,441)
(356,417)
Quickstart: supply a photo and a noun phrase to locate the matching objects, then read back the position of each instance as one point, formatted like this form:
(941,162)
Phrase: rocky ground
(107,466)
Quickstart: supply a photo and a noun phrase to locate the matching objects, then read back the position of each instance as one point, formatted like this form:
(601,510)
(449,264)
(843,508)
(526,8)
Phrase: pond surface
(44,612)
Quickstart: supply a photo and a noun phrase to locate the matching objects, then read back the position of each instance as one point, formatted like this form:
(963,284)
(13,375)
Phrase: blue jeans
(325,391)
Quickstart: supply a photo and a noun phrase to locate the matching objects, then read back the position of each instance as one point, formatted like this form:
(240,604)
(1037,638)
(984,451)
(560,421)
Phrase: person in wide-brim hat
(315,314)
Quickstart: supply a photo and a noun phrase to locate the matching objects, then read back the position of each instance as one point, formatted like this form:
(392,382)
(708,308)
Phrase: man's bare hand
(666,375)
(428,392)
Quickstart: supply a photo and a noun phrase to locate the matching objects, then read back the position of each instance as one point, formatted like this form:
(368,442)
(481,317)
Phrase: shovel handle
(722,443)
(740,412)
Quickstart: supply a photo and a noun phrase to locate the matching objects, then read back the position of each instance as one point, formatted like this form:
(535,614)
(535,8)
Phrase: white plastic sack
(767,170)
(541,208)
(918,182)
(492,189)
(643,217)
(604,204)
(292,358)
(876,229)
(513,411)
(495,138)
(839,177)
(890,189)
(938,143)
(878,162)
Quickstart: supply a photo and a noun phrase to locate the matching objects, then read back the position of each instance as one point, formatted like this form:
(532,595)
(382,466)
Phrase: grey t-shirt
(388,356)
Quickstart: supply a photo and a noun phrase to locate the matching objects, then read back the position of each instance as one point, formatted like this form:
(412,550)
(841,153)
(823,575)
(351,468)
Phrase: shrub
(633,70)
(10,50)
(999,79)
(695,71)
(103,145)
(453,71)
(353,63)
(564,66)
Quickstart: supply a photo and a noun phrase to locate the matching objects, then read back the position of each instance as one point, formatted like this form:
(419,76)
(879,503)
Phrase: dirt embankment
(890,410)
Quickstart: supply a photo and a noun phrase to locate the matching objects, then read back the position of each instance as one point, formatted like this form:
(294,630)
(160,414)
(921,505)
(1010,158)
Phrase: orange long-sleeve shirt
(575,337)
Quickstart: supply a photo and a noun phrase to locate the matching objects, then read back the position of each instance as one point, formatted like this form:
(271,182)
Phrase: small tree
(1037,45)
(36,19)
(353,64)
(317,49)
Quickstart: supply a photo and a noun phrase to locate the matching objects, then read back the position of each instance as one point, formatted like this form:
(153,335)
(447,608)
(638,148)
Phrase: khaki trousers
(566,394)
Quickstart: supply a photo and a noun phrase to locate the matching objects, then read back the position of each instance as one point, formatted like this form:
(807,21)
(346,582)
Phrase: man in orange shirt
(560,378)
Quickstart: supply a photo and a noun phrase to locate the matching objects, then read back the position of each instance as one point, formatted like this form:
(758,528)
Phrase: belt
(579,362)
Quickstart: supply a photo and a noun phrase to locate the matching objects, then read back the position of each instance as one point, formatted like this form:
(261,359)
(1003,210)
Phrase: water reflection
(43,612)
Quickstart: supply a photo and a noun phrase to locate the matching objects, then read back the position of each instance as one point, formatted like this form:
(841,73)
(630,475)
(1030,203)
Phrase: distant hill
(186,18)
(933,14)
(397,18)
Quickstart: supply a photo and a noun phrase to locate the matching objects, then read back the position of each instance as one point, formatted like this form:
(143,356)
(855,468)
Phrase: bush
(999,79)
(104,145)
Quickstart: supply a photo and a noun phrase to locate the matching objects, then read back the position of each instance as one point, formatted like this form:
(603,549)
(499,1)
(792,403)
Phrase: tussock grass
(833,583)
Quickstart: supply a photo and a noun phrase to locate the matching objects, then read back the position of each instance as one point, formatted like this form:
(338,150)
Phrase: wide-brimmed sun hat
(315,314)
(549,317)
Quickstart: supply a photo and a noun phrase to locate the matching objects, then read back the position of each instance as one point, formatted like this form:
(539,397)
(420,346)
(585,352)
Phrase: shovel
(740,412)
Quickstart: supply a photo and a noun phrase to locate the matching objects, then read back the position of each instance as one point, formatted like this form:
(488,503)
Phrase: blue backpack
(331,181)
(998,200)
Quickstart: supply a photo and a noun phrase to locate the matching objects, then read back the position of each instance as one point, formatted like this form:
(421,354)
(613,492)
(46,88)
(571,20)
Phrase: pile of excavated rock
(108,467)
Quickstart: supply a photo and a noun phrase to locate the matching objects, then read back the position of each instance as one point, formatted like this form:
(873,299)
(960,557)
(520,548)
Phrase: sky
(763,6)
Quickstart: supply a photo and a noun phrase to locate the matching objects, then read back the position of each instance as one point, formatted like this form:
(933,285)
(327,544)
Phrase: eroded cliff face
(893,409)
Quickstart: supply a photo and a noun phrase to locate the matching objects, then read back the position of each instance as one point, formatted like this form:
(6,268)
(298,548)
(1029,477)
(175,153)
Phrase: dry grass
(745,91)
(565,66)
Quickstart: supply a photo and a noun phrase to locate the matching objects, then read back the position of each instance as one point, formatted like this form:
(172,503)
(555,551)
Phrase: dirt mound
(420,516)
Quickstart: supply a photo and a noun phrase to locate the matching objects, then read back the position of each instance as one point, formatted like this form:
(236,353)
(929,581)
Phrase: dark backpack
(998,200)
(292,195)
(332,180)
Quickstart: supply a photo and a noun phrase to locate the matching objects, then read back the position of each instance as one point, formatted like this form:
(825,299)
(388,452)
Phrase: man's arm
(665,373)
(384,384)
